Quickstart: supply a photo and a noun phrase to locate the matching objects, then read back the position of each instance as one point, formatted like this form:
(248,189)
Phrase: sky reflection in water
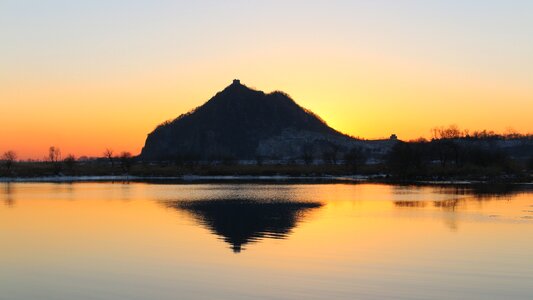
(313,241)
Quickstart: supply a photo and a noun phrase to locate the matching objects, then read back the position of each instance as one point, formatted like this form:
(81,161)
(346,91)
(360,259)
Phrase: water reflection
(427,242)
(239,222)
(456,200)
(487,191)
(477,189)
(456,195)
(410,203)
(449,205)
(8,195)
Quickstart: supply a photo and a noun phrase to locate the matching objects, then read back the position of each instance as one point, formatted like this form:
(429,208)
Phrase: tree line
(57,163)
(454,132)
(450,152)
(453,151)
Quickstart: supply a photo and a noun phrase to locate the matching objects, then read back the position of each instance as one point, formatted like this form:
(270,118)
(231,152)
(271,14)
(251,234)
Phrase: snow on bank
(67,179)
(191,178)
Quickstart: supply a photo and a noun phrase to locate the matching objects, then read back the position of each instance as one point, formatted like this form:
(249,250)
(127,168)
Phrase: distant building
(393,137)
(236,81)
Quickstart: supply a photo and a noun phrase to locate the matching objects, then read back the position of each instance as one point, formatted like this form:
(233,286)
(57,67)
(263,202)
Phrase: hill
(241,123)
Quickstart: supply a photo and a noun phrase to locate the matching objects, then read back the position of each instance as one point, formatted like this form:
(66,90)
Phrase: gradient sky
(86,75)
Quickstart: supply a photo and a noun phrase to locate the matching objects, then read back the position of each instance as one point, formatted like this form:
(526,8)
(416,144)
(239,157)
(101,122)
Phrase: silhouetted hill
(242,123)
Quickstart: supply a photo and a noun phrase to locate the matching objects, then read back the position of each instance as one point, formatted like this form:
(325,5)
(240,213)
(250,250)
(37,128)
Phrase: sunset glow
(85,77)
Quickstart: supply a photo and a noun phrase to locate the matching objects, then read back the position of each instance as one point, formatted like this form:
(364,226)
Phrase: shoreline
(383,179)
(184,178)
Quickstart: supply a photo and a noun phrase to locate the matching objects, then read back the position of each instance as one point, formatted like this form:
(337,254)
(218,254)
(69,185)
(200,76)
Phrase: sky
(89,75)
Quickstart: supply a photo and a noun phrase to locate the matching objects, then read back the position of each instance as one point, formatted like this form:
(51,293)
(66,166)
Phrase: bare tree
(54,157)
(108,153)
(54,154)
(9,158)
(451,132)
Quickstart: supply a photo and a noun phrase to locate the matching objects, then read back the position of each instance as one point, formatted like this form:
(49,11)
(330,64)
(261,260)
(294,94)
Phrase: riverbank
(97,171)
(258,179)
(185,178)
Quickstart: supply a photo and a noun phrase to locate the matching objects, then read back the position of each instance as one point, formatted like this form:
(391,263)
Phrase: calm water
(264,241)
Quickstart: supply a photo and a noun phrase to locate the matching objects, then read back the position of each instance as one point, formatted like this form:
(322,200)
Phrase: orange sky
(84,78)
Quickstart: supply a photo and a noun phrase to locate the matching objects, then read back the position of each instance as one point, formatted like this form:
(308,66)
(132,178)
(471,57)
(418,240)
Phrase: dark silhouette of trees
(54,158)
(454,132)
(481,157)
(54,154)
(355,158)
(445,150)
(450,132)
(70,162)
(126,160)
(408,159)
(8,159)
(108,153)
(446,156)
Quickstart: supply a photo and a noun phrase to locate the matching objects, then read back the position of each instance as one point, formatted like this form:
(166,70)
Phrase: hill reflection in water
(239,222)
